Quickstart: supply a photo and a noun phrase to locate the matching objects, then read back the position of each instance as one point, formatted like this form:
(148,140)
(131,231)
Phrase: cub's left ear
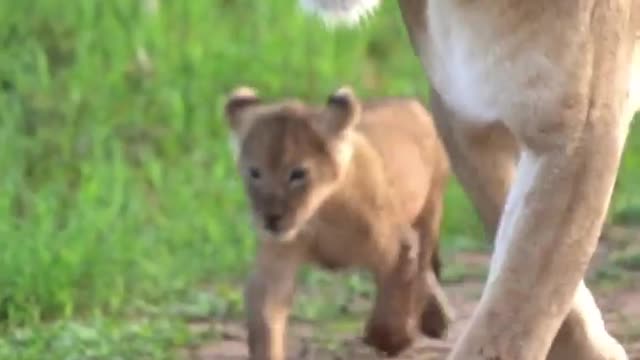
(240,99)
(341,114)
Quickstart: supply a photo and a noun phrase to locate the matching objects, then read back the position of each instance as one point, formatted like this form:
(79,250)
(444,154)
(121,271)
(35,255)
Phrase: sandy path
(621,306)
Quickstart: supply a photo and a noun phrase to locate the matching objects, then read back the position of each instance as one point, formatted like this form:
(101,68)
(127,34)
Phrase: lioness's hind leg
(583,334)
(483,158)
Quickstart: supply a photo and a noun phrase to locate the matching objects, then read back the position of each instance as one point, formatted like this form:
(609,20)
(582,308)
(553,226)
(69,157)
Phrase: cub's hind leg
(392,325)
(437,313)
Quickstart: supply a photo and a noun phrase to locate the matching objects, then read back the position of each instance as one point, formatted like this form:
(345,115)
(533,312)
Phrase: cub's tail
(339,12)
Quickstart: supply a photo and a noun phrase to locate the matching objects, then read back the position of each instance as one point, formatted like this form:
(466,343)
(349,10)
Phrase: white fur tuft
(344,91)
(340,12)
(244,92)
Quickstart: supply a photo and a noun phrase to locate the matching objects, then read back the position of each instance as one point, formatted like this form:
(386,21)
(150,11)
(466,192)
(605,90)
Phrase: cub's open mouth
(281,235)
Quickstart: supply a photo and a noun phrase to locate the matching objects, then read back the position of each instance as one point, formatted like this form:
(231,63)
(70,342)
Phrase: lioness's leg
(399,301)
(553,216)
(268,298)
(483,158)
(437,313)
(583,334)
(573,338)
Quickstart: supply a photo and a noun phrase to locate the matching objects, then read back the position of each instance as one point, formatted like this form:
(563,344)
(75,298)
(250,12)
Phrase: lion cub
(343,185)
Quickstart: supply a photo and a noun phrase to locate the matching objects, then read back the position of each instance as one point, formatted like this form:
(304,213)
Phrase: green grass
(100,339)
(117,184)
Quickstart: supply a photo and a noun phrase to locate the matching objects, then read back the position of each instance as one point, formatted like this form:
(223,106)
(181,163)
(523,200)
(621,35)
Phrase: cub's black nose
(272,222)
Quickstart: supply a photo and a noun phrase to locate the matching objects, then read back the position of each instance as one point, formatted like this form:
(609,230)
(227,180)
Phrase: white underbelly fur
(473,73)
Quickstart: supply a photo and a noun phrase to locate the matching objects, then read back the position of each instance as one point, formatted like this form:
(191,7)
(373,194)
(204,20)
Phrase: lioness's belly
(485,69)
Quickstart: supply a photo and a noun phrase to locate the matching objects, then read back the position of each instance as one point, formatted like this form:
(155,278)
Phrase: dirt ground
(619,301)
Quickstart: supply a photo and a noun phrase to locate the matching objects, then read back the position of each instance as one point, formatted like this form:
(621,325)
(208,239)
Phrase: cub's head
(291,155)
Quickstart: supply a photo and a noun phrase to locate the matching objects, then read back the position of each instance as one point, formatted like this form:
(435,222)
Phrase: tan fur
(371,197)
(550,85)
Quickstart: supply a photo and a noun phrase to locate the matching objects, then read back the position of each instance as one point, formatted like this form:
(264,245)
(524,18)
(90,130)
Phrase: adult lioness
(343,185)
(555,84)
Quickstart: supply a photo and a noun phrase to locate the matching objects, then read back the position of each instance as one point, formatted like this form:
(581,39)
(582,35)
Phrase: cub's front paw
(389,339)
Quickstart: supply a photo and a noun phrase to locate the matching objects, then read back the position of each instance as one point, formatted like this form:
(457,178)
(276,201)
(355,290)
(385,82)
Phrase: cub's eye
(254,173)
(297,175)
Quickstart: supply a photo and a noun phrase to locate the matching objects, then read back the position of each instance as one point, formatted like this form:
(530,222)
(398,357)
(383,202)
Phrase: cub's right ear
(341,114)
(241,99)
